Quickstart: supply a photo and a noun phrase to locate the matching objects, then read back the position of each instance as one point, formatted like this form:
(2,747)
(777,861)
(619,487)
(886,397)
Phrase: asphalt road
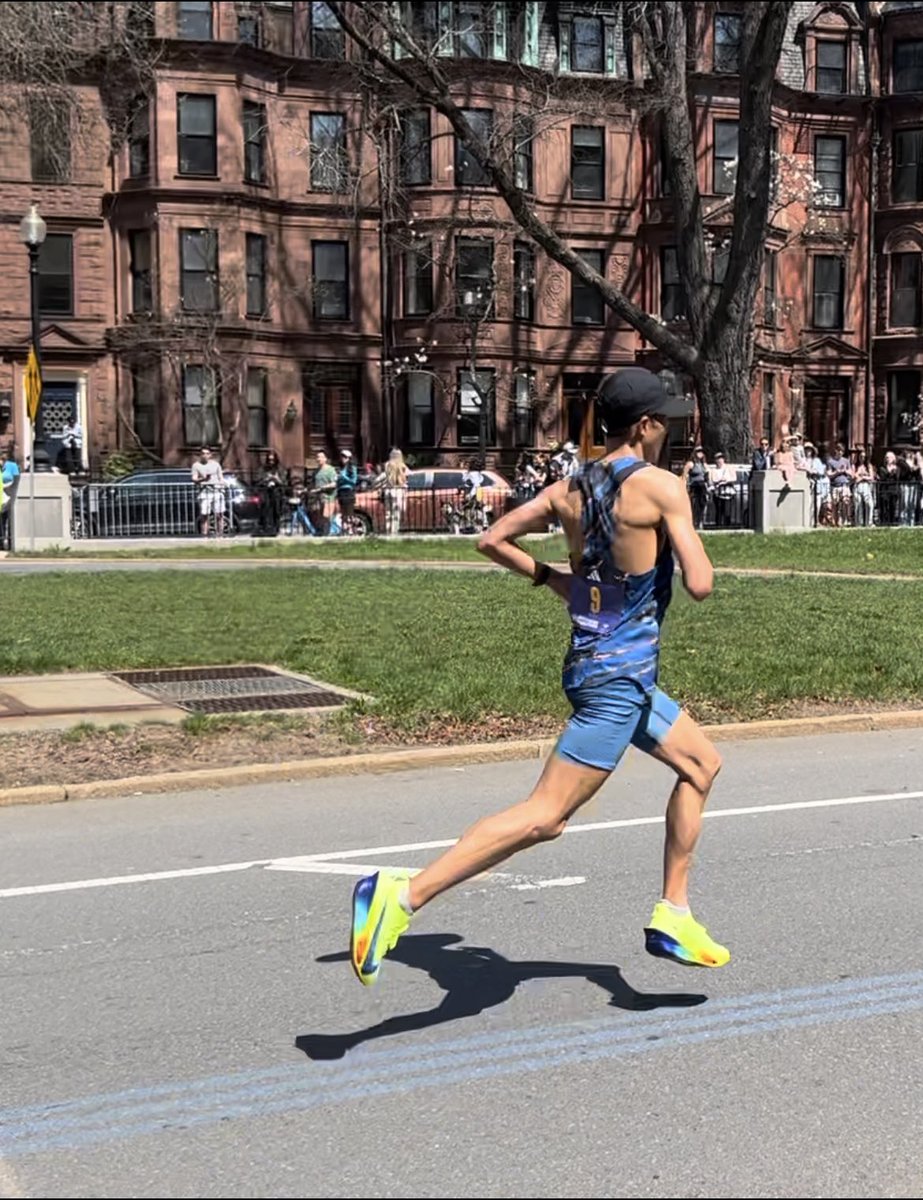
(179,1018)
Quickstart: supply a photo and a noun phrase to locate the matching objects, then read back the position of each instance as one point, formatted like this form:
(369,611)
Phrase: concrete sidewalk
(38,702)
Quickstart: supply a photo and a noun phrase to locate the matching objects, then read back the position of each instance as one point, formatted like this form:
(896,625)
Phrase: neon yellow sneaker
(682,939)
(378,921)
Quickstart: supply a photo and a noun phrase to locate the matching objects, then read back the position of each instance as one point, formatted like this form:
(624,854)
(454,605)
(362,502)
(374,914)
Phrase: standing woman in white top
(395,491)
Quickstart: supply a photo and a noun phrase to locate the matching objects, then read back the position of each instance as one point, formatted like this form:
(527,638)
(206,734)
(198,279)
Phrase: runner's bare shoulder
(652,492)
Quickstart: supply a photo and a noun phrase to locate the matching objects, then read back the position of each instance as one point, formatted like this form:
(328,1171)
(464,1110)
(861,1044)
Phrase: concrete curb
(426,757)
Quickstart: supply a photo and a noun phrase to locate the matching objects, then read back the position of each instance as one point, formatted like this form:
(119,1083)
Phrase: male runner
(624,518)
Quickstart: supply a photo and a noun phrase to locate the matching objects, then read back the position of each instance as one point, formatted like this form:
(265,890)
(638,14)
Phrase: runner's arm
(687,545)
(499,542)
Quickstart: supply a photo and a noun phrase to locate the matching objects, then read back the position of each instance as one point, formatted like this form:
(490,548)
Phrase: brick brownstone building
(278,258)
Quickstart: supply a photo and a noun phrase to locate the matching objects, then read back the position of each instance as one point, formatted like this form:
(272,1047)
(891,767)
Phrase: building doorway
(826,408)
(583,424)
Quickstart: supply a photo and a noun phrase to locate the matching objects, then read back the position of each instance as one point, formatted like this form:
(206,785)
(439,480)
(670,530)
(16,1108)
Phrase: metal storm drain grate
(234,689)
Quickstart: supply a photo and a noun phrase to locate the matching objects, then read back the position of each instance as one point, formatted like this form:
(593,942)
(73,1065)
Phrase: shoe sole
(356,958)
(661,945)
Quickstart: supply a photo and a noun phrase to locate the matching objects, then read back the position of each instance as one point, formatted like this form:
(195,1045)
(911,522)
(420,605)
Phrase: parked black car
(158,502)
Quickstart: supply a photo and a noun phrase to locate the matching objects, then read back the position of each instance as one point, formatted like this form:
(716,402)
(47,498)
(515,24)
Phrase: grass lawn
(458,645)
(865,551)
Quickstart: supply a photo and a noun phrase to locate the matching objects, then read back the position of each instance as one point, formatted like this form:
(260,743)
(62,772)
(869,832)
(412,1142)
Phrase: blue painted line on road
(105,1118)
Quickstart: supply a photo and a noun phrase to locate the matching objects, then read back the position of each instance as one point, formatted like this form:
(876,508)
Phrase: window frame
(253,239)
(897,45)
(344,283)
(580,162)
(816,295)
(254,141)
(418,293)
(426,414)
(194,139)
(484,312)
(843,70)
(142,278)
(724,183)
(672,292)
(415,157)
(260,374)
(730,47)
(189,11)
(839,194)
(899,136)
(914,290)
(524,289)
(209,435)
(330,177)
(60,239)
(333,33)
(472,415)
(585,293)
(464,164)
(585,20)
(211,273)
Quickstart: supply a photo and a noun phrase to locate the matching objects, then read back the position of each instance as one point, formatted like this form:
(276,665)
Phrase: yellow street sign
(33,384)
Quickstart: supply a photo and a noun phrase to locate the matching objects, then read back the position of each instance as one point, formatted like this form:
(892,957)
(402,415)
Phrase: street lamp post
(32,231)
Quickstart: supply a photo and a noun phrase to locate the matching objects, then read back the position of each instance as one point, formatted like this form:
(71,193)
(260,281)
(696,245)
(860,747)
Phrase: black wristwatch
(542,575)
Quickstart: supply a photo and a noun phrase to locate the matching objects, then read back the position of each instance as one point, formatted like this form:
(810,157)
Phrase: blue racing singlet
(616,617)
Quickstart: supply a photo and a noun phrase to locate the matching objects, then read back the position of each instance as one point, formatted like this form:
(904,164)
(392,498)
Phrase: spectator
(394,493)
(71,453)
(325,481)
(568,463)
(762,457)
(816,470)
(910,486)
(272,485)
(863,474)
(723,479)
(527,477)
(10,467)
(889,490)
(208,476)
(347,478)
(797,451)
(695,473)
(840,473)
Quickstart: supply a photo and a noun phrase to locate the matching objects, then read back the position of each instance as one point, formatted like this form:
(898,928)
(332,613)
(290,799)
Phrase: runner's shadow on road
(475,978)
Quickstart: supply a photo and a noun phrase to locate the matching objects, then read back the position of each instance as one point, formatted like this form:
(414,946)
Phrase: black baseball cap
(628,395)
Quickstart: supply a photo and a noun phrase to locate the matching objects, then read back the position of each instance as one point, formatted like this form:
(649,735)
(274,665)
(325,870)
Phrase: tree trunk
(724,402)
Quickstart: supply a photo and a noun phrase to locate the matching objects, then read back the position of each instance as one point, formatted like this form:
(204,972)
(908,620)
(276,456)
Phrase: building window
(523,135)
(904,389)
(830,171)
(249,27)
(328,152)
(472,32)
(769,408)
(905,291)
(56,275)
(907,179)
(523,282)
(828,291)
(587,45)
(201,426)
(725,165)
(256,275)
(831,67)
(474,278)
(198,143)
(142,291)
(523,425)
(199,269)
(587,305)
(194,20)
(331,280)
(424,22)
(328,39)
(769,286)
(414,152)
(139,141)
(672,296)
(907,73)
(476,409)
(144,391)
(50,138)
(727,42)
(254,142)
(587,162)
(421,420)
(257,417)
(418,281)
(468,171)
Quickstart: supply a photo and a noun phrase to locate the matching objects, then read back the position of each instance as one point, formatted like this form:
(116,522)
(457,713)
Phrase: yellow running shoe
(682,939)
(378,921)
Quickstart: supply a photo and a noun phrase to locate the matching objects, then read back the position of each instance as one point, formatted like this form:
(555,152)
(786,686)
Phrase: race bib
(596,607)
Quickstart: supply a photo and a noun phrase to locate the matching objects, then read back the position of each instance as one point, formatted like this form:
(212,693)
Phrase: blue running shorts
(609,715)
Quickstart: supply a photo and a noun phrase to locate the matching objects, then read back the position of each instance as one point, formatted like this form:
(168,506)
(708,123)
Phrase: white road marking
(334,858)
(307,864)
(565,881)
